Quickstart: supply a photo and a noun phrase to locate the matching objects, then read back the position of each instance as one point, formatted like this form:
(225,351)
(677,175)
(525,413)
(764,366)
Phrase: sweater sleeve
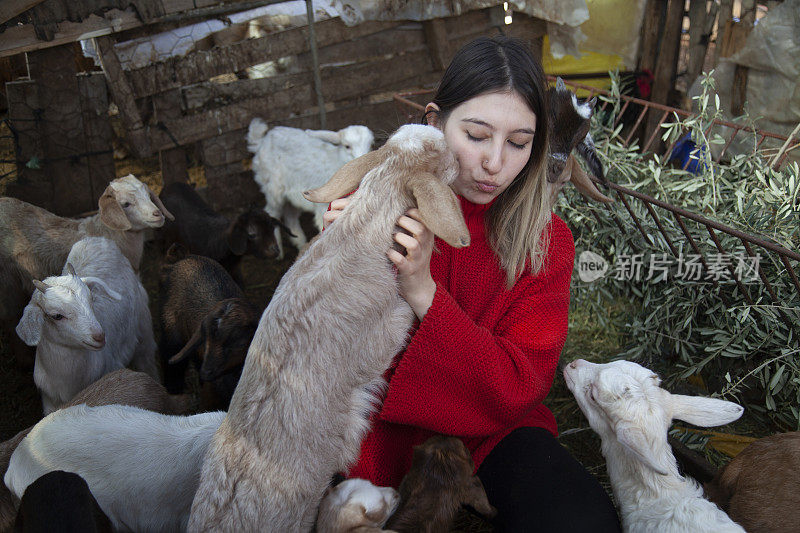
(462,379)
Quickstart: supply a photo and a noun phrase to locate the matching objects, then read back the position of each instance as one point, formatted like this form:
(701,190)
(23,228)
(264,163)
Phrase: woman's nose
(493,161)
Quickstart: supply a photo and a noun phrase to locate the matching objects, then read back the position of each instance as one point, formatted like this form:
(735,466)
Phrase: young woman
(492,317)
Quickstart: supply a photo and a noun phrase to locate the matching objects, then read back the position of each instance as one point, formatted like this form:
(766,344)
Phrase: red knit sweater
(481,361)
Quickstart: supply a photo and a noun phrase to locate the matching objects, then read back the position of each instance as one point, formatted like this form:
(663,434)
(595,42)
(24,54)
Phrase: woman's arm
(458,378)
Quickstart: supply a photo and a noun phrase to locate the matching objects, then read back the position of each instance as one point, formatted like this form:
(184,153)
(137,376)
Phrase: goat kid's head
(419,156)
(222,338)
(355,140)
(255,233)
(61,310)
(446,461)
(569,129)
(129,204)
(357,502)
(624,401)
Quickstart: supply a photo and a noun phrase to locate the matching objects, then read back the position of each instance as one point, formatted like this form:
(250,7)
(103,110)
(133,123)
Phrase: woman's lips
(485,186)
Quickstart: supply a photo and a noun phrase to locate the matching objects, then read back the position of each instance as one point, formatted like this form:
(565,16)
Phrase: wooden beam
(167,106)
(651,31)
(202,65)
(11,8)
(724,19)
(437,43)
(17,39)
(123,96)
(698,39)
(667,63)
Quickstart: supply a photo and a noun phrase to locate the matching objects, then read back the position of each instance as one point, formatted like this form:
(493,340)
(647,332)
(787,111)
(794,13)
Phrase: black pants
(536,485)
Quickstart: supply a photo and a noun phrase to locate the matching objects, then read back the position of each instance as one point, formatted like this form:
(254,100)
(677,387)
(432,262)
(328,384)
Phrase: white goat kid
(289,161)
(91,320)
(356,506)
(335,322)
(142,467)
(630,411)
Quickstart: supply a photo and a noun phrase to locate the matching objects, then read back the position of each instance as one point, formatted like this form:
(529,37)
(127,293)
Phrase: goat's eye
(126,204)
(57,316)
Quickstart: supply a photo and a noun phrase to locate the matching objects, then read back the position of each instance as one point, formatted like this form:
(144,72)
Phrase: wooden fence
(179,107)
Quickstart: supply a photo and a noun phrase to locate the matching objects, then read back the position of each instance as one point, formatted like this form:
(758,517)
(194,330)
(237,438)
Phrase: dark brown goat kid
(206,319)
(569,130)
(439,482)
(205,232)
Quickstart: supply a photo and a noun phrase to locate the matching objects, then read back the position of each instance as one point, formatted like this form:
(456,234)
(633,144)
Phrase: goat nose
(99,337)
(573,365)
(156,213)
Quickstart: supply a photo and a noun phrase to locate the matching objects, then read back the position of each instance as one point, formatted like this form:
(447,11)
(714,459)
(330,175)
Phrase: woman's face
(491,136)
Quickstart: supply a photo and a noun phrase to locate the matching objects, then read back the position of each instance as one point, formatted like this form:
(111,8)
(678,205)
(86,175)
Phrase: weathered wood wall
(361,68)
(179,107)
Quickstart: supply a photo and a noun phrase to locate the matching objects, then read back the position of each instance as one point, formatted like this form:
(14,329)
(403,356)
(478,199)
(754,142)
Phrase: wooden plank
(62,129)
(32,184)
(225,149)
(338,83)
(724,18)
(395,75)
(97,132)
(651,30)
(123,96)
(741,73)
(17,39)
(667,63)
(11,8)
(167,106)
(437,43)
(202,65)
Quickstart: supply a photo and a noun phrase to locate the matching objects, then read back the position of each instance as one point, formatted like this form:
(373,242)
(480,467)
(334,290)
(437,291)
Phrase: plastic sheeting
(772,54)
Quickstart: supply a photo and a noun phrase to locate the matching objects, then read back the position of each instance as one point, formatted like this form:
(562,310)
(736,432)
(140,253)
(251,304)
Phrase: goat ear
(592,102)
(633,438)
(439,209)
(475,496)
(111,213)
(332,137)
(100,286)
(160,205)
(192,344)
(584,183)
(237,236)
(347,178)
(30,325)
(560,85)
(704,412)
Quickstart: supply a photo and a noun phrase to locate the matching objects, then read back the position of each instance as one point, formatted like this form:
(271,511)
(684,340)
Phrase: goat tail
(587,151)
(257,130)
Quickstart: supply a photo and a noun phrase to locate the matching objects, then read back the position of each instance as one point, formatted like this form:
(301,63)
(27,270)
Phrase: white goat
(34,242)
(82,327)
(356,506)
(289,161)
(142,467)
(630,411)
(329,333)
(124,387)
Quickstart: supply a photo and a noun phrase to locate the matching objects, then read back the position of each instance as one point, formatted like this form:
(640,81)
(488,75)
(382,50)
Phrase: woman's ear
(432,115)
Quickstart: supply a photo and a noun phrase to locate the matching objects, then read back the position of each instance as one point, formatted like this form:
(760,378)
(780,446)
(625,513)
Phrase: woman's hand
(414,268)
(336,209)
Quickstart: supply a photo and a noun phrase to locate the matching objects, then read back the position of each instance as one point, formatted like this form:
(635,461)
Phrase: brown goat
(439,482)
(760,487)
(124,387)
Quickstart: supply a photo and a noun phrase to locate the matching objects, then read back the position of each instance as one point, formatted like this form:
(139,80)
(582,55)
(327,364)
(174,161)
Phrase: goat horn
(71,269)
(347,178)
(42,286)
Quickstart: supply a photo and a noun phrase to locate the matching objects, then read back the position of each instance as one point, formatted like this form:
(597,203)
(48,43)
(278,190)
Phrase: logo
(591,266)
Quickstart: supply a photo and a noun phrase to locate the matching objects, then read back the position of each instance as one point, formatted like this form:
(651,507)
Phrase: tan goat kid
(302,405)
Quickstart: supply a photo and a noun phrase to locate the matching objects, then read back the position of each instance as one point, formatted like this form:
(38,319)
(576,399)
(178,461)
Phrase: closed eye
(473,138)
(517,146)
